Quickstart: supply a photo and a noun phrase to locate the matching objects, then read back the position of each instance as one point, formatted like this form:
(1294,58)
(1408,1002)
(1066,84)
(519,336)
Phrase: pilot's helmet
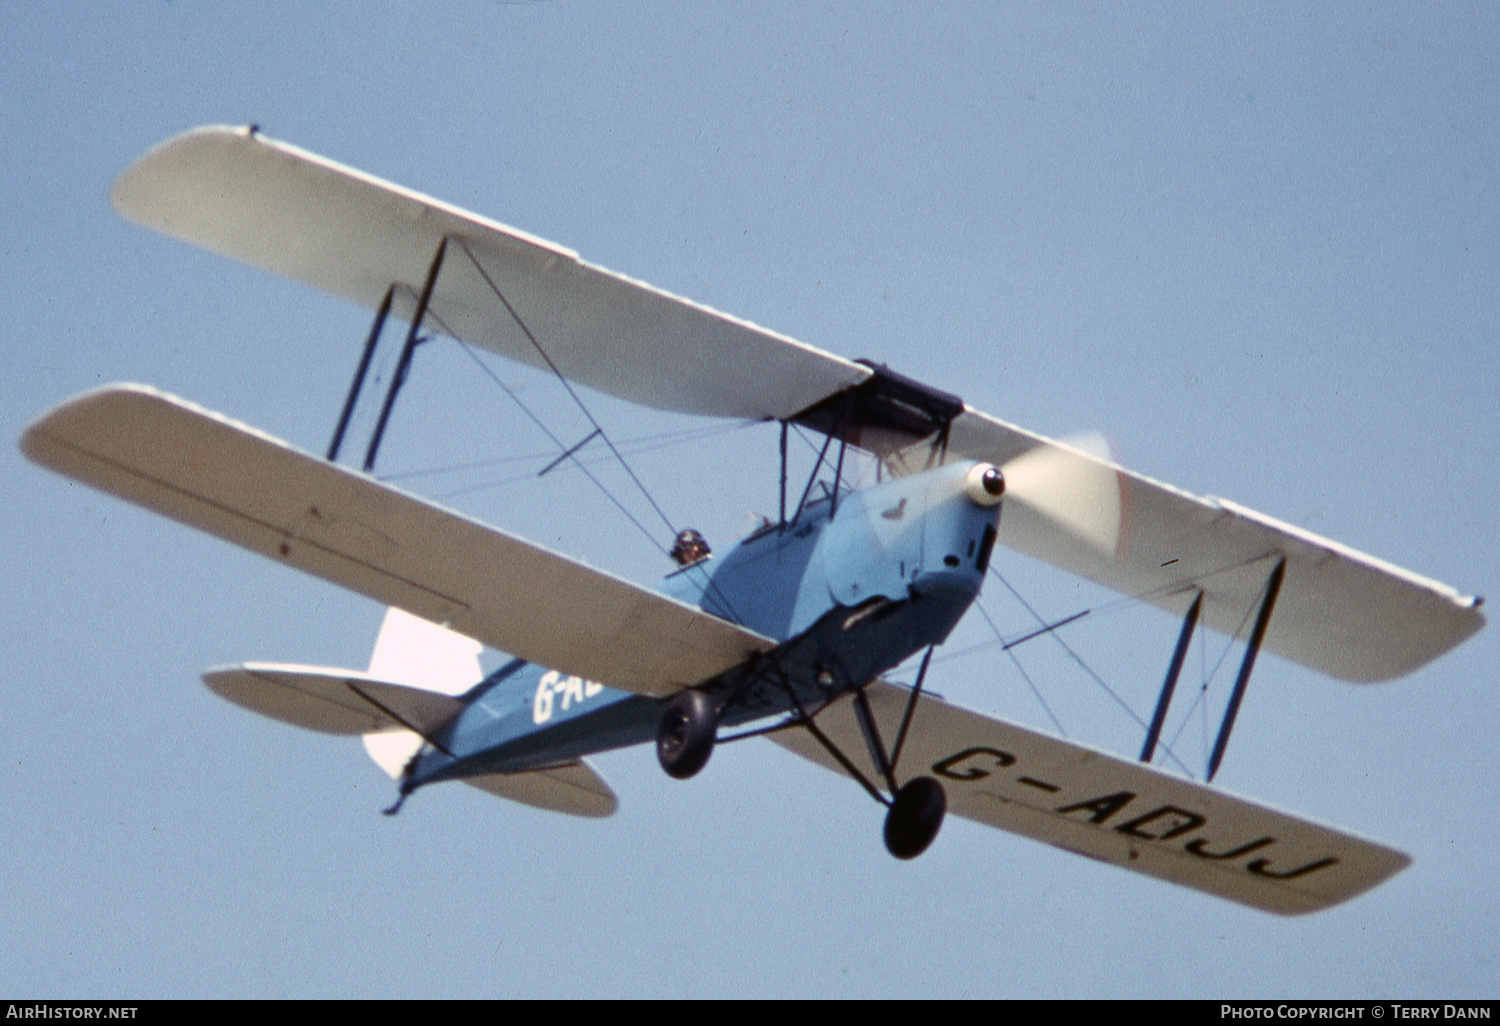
(689,547)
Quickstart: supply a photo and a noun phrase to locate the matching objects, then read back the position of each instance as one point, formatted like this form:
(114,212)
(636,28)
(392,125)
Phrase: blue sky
(1259,248)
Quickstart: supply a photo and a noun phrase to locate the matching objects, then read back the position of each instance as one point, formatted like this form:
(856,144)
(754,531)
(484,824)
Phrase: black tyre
(915,817)
(685,739)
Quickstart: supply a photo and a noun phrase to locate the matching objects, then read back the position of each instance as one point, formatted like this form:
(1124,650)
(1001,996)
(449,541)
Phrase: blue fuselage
(848,592)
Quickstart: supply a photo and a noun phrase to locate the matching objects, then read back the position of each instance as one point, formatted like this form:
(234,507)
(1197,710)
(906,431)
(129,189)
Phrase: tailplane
(331,701)
(412,689)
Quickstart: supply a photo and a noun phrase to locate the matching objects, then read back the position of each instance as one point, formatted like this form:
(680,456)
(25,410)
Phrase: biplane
(792,632)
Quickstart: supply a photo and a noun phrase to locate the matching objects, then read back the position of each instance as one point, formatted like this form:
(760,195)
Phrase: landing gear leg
(916,809)
(685,739)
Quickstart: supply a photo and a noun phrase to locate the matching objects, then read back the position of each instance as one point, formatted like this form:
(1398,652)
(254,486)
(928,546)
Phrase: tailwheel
(685,739)
(915,817)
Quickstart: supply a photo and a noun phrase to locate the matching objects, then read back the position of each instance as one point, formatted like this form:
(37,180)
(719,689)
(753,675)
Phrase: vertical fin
(418,654)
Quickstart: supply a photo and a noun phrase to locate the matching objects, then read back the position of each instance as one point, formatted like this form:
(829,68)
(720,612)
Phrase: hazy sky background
(1259,247)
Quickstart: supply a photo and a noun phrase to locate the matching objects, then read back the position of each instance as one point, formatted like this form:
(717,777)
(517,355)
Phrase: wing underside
(1339,611)
(310,219)
(1119,812)
(243,486)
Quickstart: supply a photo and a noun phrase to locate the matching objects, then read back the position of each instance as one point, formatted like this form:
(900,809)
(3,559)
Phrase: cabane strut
(882,414)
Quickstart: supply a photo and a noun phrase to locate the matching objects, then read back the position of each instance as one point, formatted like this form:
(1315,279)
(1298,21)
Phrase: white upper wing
(272,205)
(1123,813)
(1339,611)
(349,233)
(234,482)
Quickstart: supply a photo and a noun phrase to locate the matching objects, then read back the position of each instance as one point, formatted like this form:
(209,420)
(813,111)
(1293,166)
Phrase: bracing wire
(1035,691)
(1047,629)
(1068,649)
(562,445)
(566,385)
(468,351)
(571,454)
(1208,675)
(631,446)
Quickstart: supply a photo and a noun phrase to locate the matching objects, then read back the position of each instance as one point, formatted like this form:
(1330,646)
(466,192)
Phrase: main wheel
(915,817)
(685,739)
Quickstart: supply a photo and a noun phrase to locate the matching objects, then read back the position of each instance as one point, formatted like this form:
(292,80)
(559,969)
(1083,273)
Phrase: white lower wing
(1108,809)
(237,483)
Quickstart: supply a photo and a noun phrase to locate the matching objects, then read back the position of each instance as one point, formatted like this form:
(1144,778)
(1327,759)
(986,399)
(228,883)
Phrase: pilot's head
(689,547)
